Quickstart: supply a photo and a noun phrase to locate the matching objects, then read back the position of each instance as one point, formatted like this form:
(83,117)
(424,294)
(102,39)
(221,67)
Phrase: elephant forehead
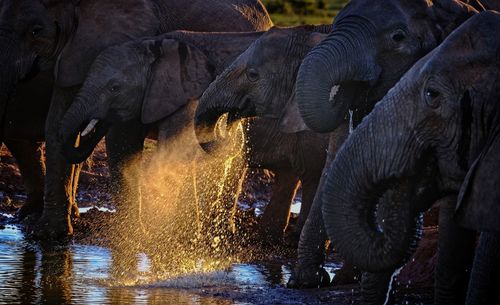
(469,47)
(379,12)
(116,59)
(269,48)
(478,36)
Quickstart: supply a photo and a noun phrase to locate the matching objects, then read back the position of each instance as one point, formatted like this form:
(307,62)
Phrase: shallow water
(83,274)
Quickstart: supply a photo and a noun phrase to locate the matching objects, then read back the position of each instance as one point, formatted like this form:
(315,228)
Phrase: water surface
(83,274)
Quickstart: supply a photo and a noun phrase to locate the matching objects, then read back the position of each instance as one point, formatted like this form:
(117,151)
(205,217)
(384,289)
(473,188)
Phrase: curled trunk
(378,161)
(329,76)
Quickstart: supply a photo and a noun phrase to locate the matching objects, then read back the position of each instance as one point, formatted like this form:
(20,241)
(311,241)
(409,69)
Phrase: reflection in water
(56,270)
(81,274)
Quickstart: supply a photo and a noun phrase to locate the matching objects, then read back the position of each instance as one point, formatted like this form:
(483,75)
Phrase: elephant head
(371,46)
(259,82)
(29,34)
(146,80)
(444,111)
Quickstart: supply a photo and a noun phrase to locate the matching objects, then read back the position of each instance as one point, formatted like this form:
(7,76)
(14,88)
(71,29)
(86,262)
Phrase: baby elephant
(154,80)
(259,83)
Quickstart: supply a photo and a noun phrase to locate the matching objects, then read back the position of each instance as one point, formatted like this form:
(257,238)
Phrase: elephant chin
(78,153)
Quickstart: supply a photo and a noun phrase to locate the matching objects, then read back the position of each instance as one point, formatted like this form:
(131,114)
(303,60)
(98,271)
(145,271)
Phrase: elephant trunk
(80,131)
(483,279)
(380,158)
(330,75)
(213,104)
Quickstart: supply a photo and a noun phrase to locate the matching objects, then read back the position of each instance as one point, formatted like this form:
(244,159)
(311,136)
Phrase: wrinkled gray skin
(37,33)
(292,157)
(23,132)
(147,80)
(370,48)
(444,110)
(260,83)
(154,80)
(191,61)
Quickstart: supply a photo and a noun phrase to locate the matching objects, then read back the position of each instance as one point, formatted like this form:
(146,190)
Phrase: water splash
(186,220)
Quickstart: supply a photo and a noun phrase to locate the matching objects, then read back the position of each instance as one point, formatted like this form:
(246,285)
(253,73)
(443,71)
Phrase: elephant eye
(398,36)
(252,75)
(36,30)
(114,88)
(431,97)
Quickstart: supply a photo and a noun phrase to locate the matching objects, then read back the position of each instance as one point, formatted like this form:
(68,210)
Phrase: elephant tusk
(89,127)
(333,92)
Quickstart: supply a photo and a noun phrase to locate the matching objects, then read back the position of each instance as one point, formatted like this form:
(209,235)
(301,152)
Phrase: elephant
(65,37)
(259,84)
(23,134)
(131,81)
(369,49)
(443,111)
(247,89)
(200,56)
(153,80)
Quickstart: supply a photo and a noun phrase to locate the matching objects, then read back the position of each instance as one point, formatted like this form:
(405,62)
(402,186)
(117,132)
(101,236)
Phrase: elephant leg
(30,162)
(309,271)
(375,288)
(455,255)
(124,145)
(309,187)
(61,178)
(484,281)
(277,213)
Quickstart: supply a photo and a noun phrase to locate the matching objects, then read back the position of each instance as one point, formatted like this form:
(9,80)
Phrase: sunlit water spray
(188,217)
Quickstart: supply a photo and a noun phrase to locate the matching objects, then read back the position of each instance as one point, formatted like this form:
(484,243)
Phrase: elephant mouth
(80,145)
(349,95)
(214,122)
(246,110)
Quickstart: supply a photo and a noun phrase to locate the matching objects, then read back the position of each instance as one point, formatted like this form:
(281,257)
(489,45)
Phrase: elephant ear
(478,205)
(450,14)
(102,24)
(179,75)
(291,121)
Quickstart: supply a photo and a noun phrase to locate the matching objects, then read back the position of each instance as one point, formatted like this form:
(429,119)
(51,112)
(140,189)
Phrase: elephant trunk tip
(205,124)
(207,121)
(79,140)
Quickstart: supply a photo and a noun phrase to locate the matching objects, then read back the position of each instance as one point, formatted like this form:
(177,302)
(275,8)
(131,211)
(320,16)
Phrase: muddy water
(81,274)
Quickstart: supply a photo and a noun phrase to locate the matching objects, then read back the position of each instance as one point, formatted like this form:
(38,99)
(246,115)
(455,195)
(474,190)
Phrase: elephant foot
(309,278)
(53,225)
(348,274)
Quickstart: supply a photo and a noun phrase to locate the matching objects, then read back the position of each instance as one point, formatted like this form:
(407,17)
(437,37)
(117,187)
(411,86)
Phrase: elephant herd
(393,107)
